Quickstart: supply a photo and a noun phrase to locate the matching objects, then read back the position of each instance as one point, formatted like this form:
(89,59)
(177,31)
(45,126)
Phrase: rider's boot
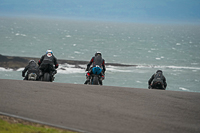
(53,73)
(86,82)
(40,74)
(100,82)
(149,87)
(52,78)
(101,79)
(87,79)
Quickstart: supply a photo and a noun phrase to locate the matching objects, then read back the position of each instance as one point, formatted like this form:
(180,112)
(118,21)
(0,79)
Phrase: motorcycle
(32,76)
(47,74)
(95,76)
(157,85)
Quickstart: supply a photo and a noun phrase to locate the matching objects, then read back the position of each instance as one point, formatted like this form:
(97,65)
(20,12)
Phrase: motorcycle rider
(48,60)
(96,60)
(32,67)
(157,77)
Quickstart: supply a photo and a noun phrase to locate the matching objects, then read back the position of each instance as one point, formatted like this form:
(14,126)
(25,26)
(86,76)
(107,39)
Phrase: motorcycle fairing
(96,70)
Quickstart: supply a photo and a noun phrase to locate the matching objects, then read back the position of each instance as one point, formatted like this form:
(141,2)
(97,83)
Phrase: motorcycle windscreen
(96,70)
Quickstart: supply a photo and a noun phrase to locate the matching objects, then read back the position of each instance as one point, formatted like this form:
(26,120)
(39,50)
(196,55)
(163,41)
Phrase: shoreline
(16,62)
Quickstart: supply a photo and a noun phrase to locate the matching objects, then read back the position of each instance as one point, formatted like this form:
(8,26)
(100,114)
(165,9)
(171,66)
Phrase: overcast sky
(116,10)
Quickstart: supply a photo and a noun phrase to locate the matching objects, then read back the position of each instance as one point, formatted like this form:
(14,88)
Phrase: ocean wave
(182,67)
(70,70)
(67,68)
(110,68)
(5,69)
(184,89)
(9,69)
(20,69)
(170,67)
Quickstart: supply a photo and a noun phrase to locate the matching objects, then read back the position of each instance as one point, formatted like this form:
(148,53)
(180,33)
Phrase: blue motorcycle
(95,76)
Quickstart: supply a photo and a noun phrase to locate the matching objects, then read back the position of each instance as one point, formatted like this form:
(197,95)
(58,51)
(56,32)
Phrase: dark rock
(16,62)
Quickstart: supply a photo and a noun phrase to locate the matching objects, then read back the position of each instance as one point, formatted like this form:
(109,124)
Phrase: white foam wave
(68,36)
(68,69)
(182,67)
(138,81)
(116,69)
(184,89)
(18,34)
(77,52)
(171,67)
(4,69)
(20,69)
(9,69)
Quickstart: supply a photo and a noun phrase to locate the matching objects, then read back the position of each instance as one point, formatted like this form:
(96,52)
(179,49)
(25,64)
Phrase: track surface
(102,109)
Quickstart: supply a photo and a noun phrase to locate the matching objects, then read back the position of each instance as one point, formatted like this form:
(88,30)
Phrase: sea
(173,48)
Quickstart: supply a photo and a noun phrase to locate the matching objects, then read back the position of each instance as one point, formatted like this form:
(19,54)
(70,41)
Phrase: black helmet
(98,53)
(31,61)
(159,71)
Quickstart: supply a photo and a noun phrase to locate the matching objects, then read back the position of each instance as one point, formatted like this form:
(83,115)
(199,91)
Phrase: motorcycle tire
(46,77)
(95,80)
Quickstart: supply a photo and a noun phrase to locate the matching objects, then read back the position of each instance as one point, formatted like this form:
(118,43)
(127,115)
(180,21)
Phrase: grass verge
(14,125)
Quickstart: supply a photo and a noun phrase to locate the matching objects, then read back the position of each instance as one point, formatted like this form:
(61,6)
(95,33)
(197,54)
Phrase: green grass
(6,127)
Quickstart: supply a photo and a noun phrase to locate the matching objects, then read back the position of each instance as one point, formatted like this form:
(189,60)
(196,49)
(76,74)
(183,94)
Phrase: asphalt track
(102,109)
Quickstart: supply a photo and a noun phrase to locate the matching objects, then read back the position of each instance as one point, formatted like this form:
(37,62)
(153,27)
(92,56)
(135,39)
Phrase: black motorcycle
(47,74)
(157,85)
(32,76)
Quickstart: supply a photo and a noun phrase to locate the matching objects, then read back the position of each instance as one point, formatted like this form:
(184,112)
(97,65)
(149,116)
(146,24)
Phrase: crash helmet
(159,71)
(98,53)
(31,61)
(49,51)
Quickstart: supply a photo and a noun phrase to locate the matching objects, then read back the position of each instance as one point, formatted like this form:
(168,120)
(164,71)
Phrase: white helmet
(49,51)
(98,53)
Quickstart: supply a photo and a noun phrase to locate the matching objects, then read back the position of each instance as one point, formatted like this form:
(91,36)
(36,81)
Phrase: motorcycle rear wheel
(46,77)
(95,80)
